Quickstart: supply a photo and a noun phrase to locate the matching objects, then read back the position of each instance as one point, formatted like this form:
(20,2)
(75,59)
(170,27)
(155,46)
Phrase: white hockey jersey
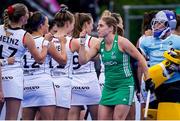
(30,66)
(12,46)
(62,70)
(86,68)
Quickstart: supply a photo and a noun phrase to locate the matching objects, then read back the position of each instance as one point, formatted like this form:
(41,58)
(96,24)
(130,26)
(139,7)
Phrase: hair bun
(63,8)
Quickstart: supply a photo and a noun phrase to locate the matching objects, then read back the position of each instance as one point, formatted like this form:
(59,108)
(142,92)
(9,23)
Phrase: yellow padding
(171,58)
(156,72)
(168,111)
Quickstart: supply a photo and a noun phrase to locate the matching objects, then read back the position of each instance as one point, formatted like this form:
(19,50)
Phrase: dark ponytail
(35,21)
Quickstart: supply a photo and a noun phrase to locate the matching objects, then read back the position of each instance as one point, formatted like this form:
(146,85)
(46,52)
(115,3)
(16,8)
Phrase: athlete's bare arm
(87,55)
(30,44)
(129,48)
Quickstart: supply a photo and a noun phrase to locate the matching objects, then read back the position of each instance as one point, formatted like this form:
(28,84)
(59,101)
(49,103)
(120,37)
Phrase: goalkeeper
(153,47)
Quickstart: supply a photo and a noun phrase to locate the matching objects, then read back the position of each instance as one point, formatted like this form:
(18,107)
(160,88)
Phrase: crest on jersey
(113,55)
(170,42)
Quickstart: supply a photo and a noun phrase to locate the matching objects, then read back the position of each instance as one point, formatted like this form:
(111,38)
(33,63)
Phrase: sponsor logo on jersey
(84,88)
(32,88)
(157,53)
(110,63)
(7,77)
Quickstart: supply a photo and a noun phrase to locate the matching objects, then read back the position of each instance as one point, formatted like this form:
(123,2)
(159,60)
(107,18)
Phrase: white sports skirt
(85,89)
(38,91)
(12,83)
(63,91)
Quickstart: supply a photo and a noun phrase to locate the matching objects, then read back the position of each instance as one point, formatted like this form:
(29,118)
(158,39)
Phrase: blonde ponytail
(6,22)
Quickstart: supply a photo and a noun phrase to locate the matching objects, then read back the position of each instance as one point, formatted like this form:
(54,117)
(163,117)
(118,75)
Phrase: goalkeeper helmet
(168,19)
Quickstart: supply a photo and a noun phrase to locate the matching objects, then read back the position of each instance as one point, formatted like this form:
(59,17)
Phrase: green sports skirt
(117,95)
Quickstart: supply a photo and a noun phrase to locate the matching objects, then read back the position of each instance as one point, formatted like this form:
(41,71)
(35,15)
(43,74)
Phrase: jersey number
(34,65)
(59,66)
(76,64)
(14,50)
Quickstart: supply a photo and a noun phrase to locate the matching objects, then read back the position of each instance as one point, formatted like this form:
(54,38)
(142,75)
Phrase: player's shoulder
(146,39)
(174,36)
(94,38)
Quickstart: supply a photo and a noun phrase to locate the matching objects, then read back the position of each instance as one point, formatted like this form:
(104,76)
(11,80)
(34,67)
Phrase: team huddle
(49,72)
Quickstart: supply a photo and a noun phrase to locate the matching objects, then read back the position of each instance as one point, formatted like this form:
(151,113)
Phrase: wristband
(3,62)
(82,41)
(45,43)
